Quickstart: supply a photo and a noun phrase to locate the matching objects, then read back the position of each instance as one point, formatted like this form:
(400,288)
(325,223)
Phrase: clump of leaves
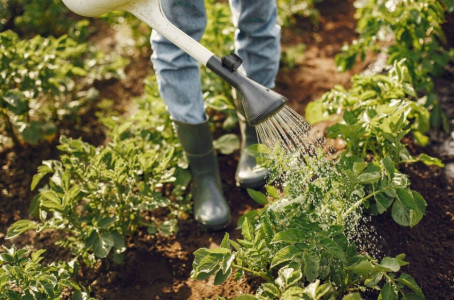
(100,196)
(297,259)
(22,276)
(298,243)
(378,112)
(409,30)
(289,10)
(31,17)
(46,80)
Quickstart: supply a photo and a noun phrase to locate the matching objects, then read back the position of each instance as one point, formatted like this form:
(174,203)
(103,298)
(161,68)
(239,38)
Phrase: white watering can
(259,102)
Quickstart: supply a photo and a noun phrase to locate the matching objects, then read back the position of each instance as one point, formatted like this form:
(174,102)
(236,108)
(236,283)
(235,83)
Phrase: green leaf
(408,209)
(359,167)
(102,244)
(410,282)
(245,297)
(352,296)
(362,268)
(221,277)
(291,236)
(285,254)
(333,248)
(19,227)
(430,161)
(227,143)
(271,289)
(388,163)
(390,264)
(32,133)
(373,281)
(388,292)
(119,242)
(50,199)
(290,275)
(383,202)
(15,102)
(311,265)
(247,230)
(272,191)
(169,227)
(257,196)
(43,170)
(293,293)
(369,177)
(105,222)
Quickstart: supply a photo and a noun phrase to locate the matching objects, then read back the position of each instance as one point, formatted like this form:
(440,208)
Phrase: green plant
(298,243)
(31,17)
(409,30)
(46,80)
(378,112)
(22,276)
(100,196)
(288,10)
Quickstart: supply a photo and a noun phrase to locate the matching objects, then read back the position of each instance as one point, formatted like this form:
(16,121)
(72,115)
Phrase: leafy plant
(378,112)
(409,30)
(47,80)
(22,276)
(100,196)
(298,243)
(288,10)
(31,17)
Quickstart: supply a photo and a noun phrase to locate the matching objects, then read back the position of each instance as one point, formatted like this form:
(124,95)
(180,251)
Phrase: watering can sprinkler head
(259,102)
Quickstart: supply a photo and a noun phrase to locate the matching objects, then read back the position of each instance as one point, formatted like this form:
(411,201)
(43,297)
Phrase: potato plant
(298,244)
(45,81)
(101,196)
(378,111)
(23,276)
(31,17)
(409,30)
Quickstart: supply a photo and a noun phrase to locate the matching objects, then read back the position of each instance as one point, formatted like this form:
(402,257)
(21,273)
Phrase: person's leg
(257,42)
(179,83)
(178,74)
(257,38)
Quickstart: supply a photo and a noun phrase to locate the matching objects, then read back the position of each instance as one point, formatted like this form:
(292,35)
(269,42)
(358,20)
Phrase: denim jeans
(257,42)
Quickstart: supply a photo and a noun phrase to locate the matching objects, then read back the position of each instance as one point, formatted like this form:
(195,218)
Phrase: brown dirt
(159,267)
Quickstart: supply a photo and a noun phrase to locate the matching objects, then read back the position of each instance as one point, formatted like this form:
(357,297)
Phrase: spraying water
(303,166)
(290,131)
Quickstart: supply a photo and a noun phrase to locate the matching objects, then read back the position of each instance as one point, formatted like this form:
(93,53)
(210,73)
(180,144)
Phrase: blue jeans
(257,42)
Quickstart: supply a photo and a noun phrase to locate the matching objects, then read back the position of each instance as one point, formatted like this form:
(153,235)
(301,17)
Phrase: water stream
(291,132)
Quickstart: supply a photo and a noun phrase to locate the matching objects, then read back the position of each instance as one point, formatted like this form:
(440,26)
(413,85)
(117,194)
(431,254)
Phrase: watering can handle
(150,12)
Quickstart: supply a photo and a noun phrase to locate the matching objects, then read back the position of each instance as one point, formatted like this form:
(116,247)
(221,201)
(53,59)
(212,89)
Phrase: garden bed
(159,267)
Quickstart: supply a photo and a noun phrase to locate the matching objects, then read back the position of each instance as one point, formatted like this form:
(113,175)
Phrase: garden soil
(159,267)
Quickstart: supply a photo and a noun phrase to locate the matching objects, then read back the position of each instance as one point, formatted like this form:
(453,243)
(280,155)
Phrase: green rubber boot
(210,207)
(248,173)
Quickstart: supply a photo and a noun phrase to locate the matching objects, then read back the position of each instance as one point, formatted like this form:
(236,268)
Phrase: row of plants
(301,244)
(98,198)
(409,31)
(49,69)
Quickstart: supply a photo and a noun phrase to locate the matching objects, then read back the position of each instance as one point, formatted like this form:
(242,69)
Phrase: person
(257,42)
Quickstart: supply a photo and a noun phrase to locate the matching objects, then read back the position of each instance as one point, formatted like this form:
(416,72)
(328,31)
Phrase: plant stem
(255,273)
(361,201)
